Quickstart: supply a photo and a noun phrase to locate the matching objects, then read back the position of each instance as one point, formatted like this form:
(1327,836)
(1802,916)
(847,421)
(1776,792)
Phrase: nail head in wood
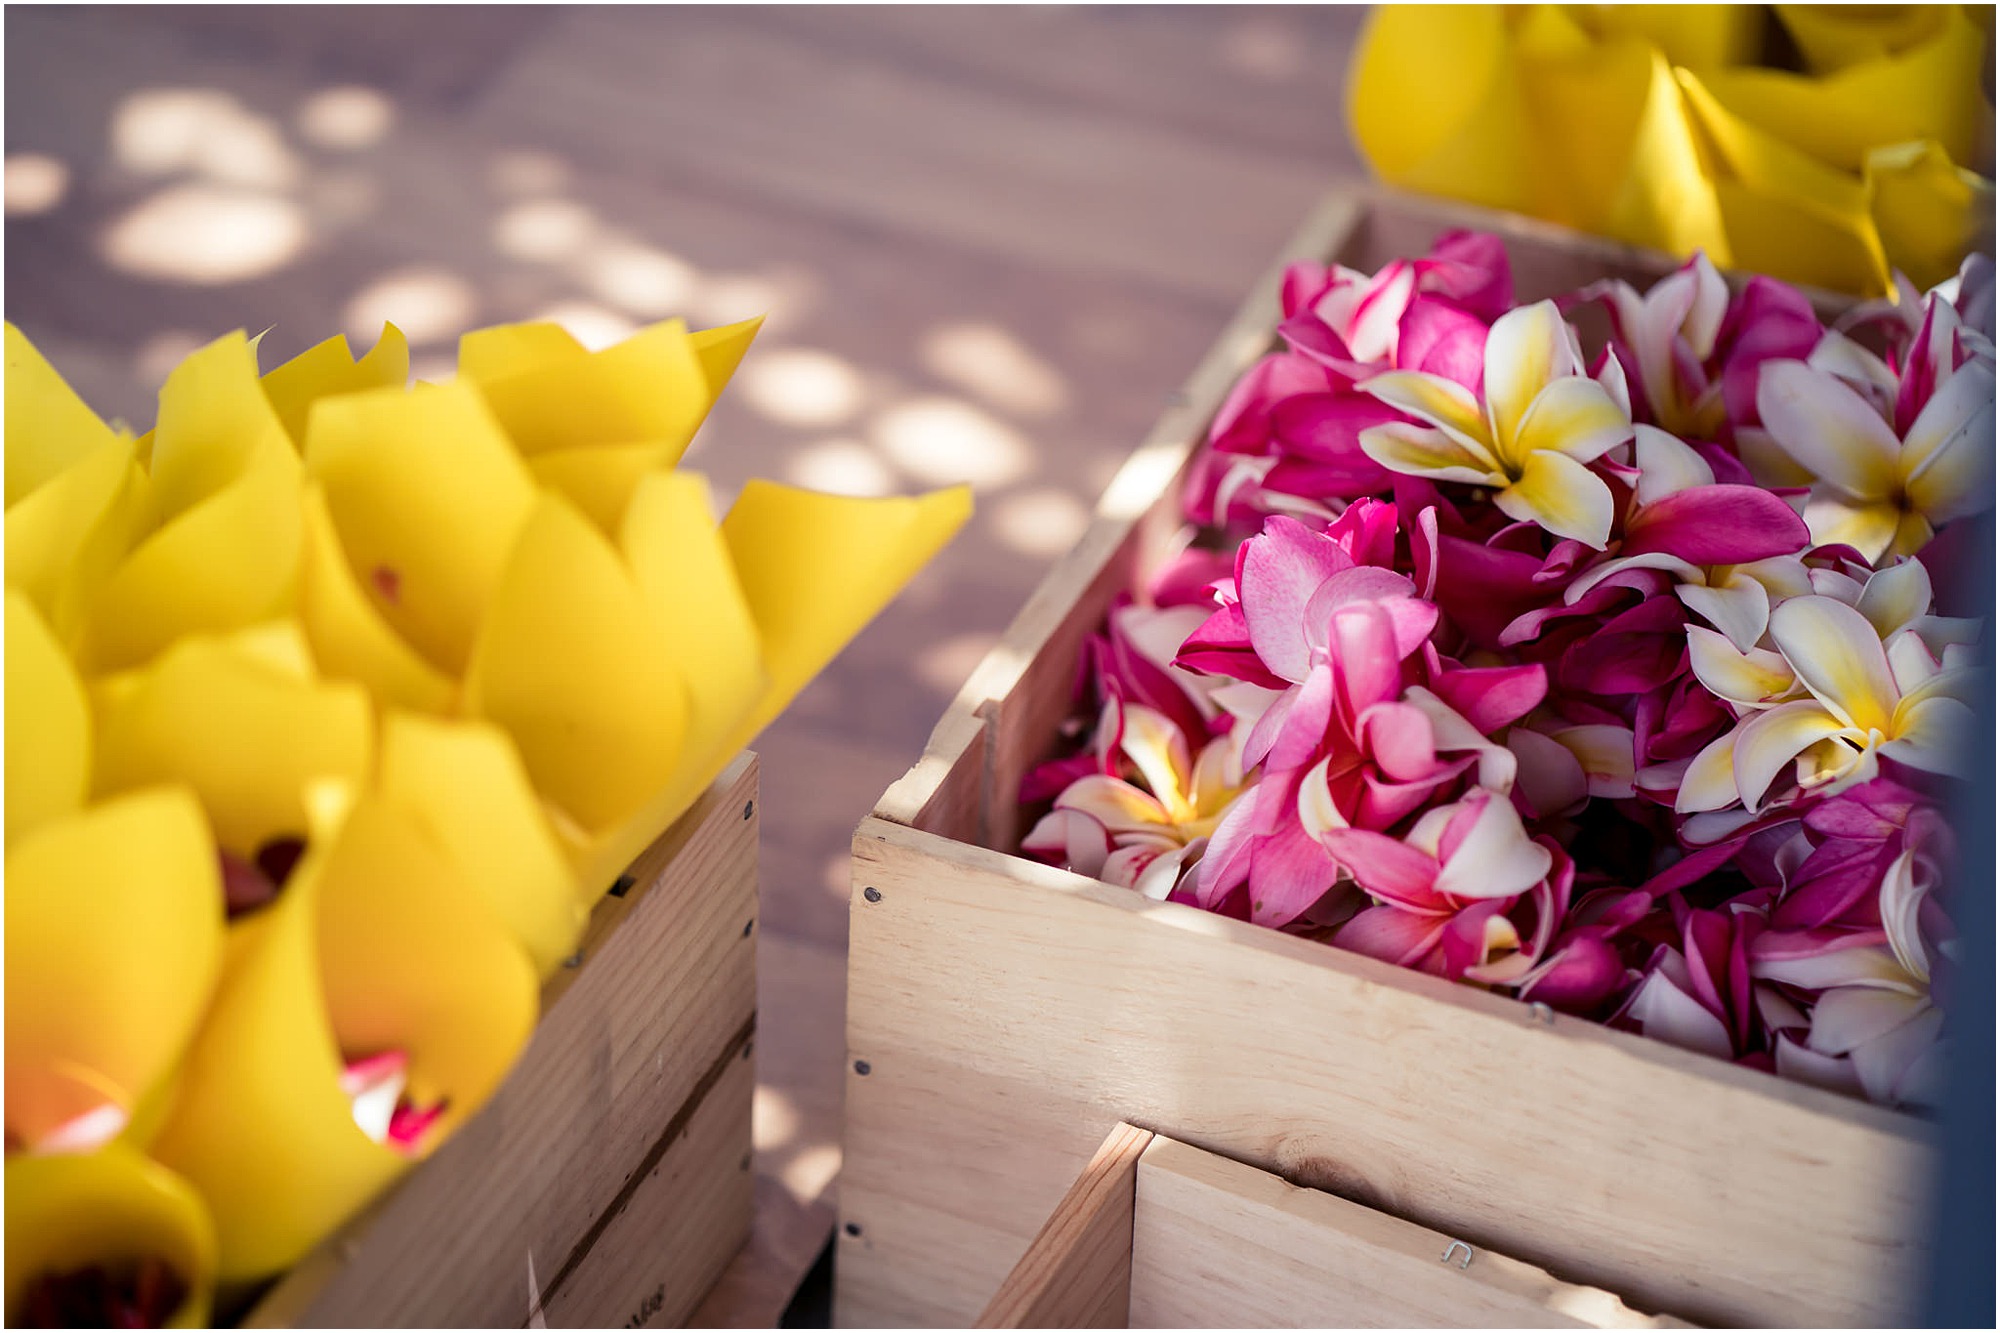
(574,960)
(748,807)
(747,925)
(872,894)
(862,1067)
(853,1228)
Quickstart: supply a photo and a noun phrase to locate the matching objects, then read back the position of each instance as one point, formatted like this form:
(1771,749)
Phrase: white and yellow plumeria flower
(1542,422)
(1881,491)
(1863,701)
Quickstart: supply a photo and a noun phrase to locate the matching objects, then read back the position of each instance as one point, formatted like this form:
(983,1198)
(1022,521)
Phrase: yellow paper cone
(427,499)
(114,935)
(65,540)
(48,426)
(48,725)
(112,1209)
(464,783)
(1928,212)
(373,947)
(244,723)
(330,369)
(572,662)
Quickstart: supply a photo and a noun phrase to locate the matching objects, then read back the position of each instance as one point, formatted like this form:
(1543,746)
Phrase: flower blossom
(1531,433)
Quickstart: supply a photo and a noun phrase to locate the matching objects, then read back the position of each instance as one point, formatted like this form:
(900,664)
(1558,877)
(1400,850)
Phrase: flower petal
(1829,429)
(1389,869)
(1573,416)
(1419,451)
(1493,857)
(1526,349)
(1710,780)
(1837,656)
(1947,460)
(1445,404)
(1755,679)
(1771,740)
(1895,596)
(1282,568)
(1739,607)
(1563,496)
(1934,734)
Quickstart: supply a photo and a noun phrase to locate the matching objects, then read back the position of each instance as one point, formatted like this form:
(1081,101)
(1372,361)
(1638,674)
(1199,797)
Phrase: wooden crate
(1001,1012)
(1160,1234)
(609,1177)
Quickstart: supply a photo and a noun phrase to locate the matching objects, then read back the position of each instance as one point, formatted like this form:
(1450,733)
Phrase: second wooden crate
(1001,1012)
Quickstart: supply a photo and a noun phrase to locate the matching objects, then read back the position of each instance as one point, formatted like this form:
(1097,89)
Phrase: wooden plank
(1077,1272)
(664,1247)
(664,987)
(998,1003)
(1217,1244)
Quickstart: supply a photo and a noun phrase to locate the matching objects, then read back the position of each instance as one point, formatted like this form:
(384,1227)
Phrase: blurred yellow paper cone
(816,568)
(330,369)
(48,427)
(114,936)
(1928,212)
(591,424)
(464,783)
(573,661)
(244,722)
(48,724)
(426,499)
(374,948)
(115,1211)
(224,495)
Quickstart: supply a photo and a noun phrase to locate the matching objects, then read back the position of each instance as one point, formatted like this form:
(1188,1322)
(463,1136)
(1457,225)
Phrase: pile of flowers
(333,706)
(1630,684)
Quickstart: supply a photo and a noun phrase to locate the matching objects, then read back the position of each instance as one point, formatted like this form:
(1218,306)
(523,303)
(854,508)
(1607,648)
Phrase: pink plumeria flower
(1443,894)
(1886,474)
(1875,1024)
(1865,702)
(1700,996)
(1142,836)
(1731,550)
(1542,421)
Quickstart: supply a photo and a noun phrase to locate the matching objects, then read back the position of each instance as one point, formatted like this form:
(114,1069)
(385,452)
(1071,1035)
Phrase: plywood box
(1001,1012)
(1160,1234)
(608,1182)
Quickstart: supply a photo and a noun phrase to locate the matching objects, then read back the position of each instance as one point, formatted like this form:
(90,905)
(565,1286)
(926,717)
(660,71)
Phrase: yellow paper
(816,568)
(1833,37)
(108,1208)
(48,724)
(373,946)
(349,636)
(65,540)
(330,369)
(464,783)
(244,723)
(650,387)
(1928,212)
(572,662)
(1930,91)
(427,500)
(48,426)
(227,561)
(114,935)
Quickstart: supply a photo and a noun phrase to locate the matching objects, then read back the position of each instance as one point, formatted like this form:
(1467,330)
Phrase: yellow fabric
(1651,124)
(109,1207)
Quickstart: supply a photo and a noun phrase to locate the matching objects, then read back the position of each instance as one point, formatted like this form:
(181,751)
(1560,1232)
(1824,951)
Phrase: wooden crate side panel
(1077,1272)
(650,1007)
(665,1246)
(1217,1244)
(1007,1009)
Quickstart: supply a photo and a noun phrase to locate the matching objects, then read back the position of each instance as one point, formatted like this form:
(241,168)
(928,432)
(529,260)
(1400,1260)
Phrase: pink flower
(1446,896)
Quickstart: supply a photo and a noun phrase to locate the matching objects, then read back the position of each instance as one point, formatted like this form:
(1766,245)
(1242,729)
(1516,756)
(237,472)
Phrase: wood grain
(1007,1010)
(631,1049)
(1217,1244)
(1077,1272)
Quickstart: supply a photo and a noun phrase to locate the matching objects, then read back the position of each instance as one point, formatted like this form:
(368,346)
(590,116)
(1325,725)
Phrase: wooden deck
(989,240)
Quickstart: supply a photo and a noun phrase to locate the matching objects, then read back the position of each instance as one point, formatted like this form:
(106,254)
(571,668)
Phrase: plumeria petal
(1666,465)
(1572,416)
(1947,460)
(1117,805)
(1527,348)
(1389,869)
(1445,404)
(1740,608)
(1756,679)
(1420,451)
(1934,734)
(1563,496)
(1828,428)
(1281,570)
(1771,740)
(1837,656)
(1493,857)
